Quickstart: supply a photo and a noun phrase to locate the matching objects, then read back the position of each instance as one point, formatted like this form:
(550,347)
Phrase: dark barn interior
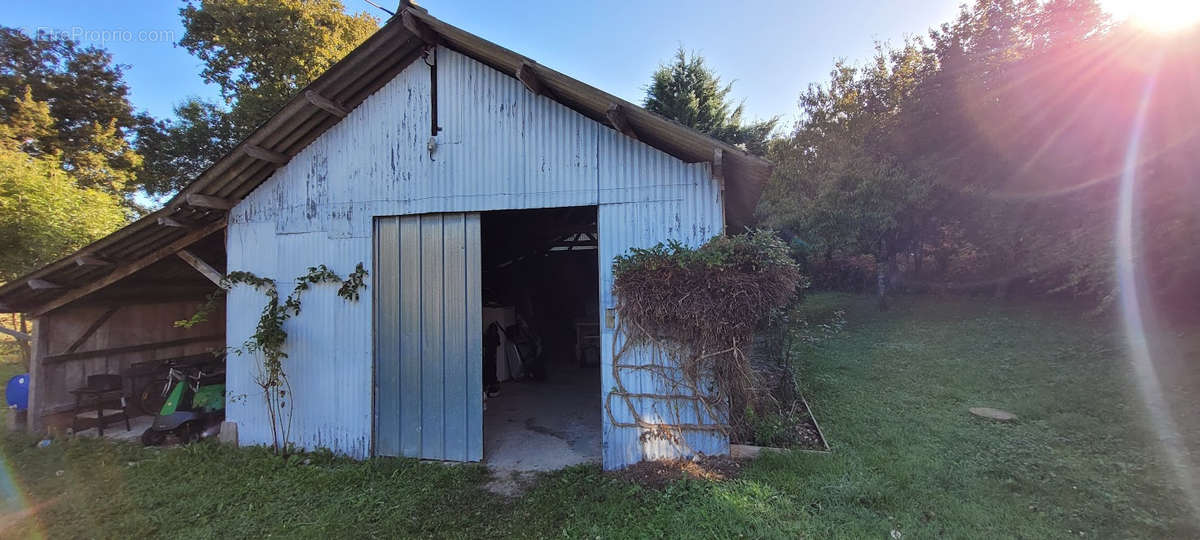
(541,321)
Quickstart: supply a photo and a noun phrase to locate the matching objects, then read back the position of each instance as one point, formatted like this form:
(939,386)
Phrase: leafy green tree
(87,100)
(689,92)
(999,143)
(260,53)
(989,126)
(177,151)
(838,186)
(45,212)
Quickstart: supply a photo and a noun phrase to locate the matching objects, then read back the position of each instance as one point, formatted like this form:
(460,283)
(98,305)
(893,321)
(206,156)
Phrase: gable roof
(201,206)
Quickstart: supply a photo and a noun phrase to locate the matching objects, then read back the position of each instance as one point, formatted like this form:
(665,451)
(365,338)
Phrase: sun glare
(1163,16)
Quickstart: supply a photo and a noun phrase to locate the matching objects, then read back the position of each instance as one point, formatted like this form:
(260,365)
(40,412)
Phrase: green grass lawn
(891,393)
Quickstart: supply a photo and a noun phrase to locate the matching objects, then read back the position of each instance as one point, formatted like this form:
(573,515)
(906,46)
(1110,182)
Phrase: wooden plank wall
(136,324)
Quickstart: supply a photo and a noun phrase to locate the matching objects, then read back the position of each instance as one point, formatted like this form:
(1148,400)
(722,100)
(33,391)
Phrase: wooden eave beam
(91,260)
(418,28)
(172,222)
(195,200)
(204,268)
(325,104)
(616,116)
(718,167)
(530,79)
(40,284)
(262,154)
(129,269)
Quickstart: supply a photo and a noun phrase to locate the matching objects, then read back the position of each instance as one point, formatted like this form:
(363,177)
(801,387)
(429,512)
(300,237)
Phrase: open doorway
(541,338)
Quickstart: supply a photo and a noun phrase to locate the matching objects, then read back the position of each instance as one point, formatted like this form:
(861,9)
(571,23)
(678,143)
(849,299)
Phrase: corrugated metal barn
(475,186)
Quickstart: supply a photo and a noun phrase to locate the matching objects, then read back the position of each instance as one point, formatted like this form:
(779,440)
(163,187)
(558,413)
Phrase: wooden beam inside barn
(204,268)
(91,329)
(39,284)
(129,269)
(67,357)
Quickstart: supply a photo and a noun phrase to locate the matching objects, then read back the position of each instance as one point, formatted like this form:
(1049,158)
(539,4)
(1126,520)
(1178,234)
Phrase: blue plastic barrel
(16,394)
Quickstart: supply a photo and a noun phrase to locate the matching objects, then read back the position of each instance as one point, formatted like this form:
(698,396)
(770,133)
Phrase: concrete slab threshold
(544,426)
(115,429)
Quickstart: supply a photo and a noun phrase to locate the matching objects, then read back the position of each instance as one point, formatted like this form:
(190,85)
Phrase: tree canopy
(90,116)
(45,210)
(689,92)
(993,149)
(259,53)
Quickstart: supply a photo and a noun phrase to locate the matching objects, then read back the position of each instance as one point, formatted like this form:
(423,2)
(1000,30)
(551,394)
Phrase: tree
(687,91)
(87,102)
(838,186)
(260,53)
(999,144)
(45,212)
(177,151)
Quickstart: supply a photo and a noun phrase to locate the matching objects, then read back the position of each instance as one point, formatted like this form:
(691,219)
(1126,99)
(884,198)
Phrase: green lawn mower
(194,406)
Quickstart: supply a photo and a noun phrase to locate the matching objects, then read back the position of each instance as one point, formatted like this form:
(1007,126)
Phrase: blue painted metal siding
(649,197)
(502,147)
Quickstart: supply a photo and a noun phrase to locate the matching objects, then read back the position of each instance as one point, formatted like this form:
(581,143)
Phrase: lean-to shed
(403,157)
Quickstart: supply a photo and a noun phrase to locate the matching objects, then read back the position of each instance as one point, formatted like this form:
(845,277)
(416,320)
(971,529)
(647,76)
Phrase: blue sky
(772,48)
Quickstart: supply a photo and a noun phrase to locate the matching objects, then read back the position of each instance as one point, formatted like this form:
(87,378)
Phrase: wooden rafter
(620,122)
(325,104)
(530,79)
(172,222)
(718,167)
(418,28)
(91,260)
(128,269)
(195,200)
(204,268)
(40,284)
(262,154)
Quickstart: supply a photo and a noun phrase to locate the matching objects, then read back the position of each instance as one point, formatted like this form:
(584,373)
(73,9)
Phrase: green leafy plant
(269,337)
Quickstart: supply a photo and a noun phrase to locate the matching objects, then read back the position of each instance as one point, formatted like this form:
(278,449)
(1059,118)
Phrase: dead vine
(695,310)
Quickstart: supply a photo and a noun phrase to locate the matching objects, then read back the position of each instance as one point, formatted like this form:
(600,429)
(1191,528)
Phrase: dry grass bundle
(702,306)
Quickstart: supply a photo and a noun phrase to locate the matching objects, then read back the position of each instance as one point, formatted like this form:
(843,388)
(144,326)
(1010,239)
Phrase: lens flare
(1161,16)
(14,505)
(1136,336)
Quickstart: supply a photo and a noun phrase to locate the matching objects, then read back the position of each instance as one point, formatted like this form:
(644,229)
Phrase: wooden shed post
(37,352)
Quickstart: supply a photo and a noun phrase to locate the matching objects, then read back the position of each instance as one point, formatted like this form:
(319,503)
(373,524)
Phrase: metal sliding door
(428,332)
